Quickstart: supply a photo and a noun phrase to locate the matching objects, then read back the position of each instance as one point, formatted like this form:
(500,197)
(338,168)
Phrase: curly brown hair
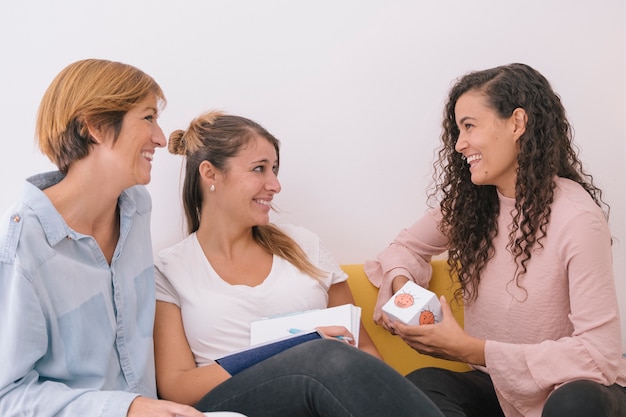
(469,211)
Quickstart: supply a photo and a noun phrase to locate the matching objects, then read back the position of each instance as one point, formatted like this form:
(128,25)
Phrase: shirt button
(16,218)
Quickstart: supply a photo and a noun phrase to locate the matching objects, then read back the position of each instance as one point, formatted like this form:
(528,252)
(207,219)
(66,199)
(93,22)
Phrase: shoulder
(11,223)
(295,231)
(301,235)
(34,222)
(572,200)
(575,215)
(179,253)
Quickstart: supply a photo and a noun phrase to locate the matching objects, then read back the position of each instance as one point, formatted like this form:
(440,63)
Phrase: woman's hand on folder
(337,332)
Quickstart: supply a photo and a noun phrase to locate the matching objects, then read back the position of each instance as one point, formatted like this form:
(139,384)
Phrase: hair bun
(176,144)
(187,142)
(208,118)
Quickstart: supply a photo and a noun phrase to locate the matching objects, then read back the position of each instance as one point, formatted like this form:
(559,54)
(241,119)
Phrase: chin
(477,181)
(143,180)
(263,222)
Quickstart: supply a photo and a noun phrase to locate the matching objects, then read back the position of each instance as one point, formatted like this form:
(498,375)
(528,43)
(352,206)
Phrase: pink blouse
(560,324)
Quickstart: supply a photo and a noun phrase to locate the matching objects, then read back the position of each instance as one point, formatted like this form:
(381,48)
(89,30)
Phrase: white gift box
(414,305)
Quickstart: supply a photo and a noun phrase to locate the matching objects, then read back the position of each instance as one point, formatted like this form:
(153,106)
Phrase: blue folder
(236,362)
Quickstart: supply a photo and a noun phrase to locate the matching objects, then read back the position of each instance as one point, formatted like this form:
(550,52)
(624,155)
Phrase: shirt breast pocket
(88,337)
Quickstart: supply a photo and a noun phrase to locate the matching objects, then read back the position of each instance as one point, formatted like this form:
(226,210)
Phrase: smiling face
(488,142)
(130,157)
(248,185)
(404,300)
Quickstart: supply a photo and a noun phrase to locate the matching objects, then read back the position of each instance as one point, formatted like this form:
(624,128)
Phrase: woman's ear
(97,133)
(207,172)
(520,118)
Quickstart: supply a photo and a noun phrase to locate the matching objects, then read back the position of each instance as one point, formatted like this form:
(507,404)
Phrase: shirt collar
(52,222)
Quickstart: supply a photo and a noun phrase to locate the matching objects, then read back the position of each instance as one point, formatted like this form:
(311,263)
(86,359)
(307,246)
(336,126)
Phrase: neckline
(211,271)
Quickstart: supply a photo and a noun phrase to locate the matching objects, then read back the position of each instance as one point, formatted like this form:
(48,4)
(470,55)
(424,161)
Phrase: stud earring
(212,187)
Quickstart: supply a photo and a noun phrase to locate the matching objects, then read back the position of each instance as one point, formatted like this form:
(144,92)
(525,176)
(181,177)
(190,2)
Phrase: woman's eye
(150,117)
(260,168)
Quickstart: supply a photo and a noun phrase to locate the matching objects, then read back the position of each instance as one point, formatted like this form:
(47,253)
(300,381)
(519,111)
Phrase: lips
(473,159)
(148,155)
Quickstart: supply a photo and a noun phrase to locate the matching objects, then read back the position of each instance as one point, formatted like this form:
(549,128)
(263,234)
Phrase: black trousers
(471,394)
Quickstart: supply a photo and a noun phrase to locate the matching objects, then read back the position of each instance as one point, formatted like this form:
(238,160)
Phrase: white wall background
(354,89)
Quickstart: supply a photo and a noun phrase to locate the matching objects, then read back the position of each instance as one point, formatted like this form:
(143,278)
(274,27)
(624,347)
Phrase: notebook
(277,327)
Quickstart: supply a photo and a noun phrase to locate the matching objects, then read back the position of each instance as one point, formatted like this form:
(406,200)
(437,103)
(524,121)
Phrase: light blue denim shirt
(75,332)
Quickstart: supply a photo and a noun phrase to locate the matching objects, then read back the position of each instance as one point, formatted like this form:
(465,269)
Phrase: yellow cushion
(394,351)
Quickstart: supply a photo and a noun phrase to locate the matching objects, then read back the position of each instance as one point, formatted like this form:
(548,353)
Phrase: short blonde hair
(97,91)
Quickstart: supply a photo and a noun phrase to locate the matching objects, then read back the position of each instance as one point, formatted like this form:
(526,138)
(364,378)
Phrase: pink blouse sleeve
(409,254)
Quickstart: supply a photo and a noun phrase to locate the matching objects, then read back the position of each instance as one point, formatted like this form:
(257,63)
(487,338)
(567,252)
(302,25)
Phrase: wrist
(397,283)
(475,352)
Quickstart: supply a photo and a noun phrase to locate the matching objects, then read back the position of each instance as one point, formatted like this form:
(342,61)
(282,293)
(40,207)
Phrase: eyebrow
(146,108)
(262,161)
(463,119)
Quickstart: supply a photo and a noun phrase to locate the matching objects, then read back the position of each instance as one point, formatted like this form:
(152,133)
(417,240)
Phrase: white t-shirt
(217,315)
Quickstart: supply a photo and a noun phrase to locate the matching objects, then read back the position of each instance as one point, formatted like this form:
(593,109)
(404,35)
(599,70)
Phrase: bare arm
(339,294)
(178,377)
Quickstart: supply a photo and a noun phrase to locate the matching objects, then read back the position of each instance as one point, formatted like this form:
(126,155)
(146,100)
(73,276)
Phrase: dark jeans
(320,378)
(586,398)
(471,394)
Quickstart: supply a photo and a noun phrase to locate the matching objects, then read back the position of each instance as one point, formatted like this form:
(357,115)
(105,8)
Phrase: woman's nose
(273,184)
(460,144)
(158,137)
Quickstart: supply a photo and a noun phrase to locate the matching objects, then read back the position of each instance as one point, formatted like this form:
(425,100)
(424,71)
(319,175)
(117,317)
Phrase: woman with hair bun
(235,267)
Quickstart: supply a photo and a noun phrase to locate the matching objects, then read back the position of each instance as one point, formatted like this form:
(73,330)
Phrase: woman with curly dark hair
(526,233)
